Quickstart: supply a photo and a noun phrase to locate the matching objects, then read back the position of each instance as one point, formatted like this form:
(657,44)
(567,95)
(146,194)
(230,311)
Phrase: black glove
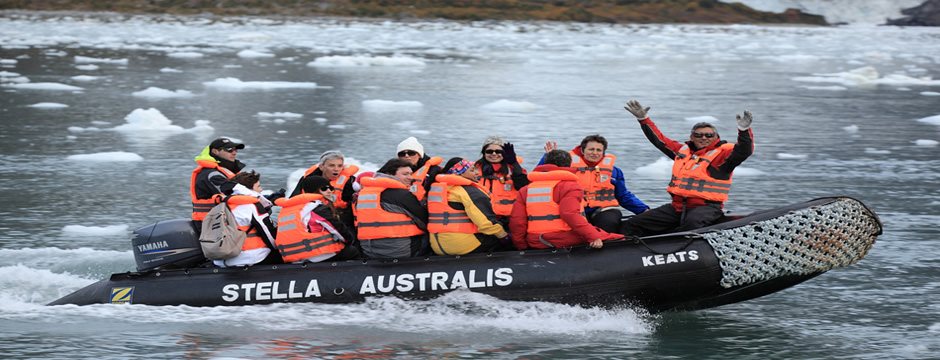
(276,195)
(509,154)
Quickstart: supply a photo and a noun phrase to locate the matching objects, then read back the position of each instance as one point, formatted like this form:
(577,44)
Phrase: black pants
(665,219)
(607,220)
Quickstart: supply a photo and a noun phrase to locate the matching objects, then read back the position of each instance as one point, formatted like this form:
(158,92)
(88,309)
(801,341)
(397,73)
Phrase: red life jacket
(690,176)
(294,241)
(419,175)
(338,184)
(254,240)
(373,222)
(201,207)
(544,214)
(598,190)
(442,218)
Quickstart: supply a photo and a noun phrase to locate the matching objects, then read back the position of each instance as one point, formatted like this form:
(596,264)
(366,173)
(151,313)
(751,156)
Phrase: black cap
(225,143)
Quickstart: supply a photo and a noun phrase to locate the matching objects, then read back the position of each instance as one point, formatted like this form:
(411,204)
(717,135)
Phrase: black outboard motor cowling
(169,244)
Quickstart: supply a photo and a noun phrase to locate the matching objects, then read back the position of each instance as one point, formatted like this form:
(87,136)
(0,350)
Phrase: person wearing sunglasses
(701,174)
(460,217)
(342,178)
(501,174)
(309,228)
(216,165)
(605,187)
(424,168)
(390,221)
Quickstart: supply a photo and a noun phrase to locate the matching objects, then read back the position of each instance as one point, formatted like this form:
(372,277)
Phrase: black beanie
(313,183)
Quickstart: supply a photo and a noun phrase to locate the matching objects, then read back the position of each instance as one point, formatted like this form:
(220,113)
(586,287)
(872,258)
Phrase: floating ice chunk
(85,78)
(170,70)
(71,137)
(233,84)
(279,121)
(420,132)
(826,88)
(5,74)
(746,171)
(44,86)
(320,120)
(282,131)
(95,230)
(876,151)
(337,126)
(202,127)
(706,118)
(405,124)
(114,156)
(252,54)
(250,37)
(149,120)
(851,129)
(388,105)
(8,61)
(16,80)
(793,58)
(279,114)
(99,122)
(787,156)
(933,120)
(930,93)
(56,53)
(662,168)
(364,61)
(868,76)
(88,67)
(231,66)
(510,106)
(81,129)
(91,60)
(185,55)
(926,143)
(158,93)
(48,105)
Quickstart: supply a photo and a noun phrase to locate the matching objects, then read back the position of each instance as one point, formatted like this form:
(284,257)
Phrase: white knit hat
(493,140)
(411,144)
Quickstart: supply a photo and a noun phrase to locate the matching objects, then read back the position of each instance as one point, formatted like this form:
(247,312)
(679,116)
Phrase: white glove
(744,122)
(636,109)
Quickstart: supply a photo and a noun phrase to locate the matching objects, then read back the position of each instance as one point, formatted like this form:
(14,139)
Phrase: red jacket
(568,195)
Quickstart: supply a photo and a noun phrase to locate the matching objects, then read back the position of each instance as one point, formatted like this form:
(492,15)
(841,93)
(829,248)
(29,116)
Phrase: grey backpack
(220,237)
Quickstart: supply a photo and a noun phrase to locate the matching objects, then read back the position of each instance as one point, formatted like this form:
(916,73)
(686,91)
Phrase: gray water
(566,81)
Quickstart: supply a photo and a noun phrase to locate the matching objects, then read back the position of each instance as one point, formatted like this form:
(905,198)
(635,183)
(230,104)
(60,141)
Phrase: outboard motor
(169,244)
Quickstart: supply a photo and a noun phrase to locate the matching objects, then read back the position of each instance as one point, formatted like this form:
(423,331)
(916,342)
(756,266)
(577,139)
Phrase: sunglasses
(327,188)
(229,149)
(404,153)
(493,151)
(704,135)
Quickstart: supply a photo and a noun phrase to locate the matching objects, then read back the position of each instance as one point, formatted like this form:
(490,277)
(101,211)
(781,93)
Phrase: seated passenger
(424,168)
(216,165)
(460,217)
(341,176)
(501,175)
(605,187)
(390,221)
(548,212)
(308,228)
(252,214)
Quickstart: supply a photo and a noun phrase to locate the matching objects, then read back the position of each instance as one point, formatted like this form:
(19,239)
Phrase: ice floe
(185,55)
(252,54)
(788,156)
(113,156)
(51,86)
(48,105)
(233,84)
(826,88)
(364,61)
(510,106)
(377,105)
(933,120)
(926,142)
(92,60)
(152,122)
(158,93)
(870,150)
(87,67)
(85,78)
(868,76)
(170,70)
(279,114)
(930,93)
(851,129)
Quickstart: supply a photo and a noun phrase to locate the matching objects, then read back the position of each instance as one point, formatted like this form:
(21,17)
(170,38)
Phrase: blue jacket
(625,198)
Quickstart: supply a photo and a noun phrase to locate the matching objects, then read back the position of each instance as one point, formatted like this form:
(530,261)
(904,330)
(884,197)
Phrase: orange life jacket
(201,207)
(254,240)
(373,222)
(419,175)
(544,214)
(501,189)
(598,190)
(294,241)
(338,184)
(442,218)
(690,176)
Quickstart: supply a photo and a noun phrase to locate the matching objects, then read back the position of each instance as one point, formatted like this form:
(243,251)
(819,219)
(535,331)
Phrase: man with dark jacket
(701,174)
(391,222)
(548,212)
(216,165)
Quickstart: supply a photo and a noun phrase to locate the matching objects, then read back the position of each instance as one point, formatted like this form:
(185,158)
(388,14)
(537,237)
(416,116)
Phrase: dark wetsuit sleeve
(668,146)
(348,192)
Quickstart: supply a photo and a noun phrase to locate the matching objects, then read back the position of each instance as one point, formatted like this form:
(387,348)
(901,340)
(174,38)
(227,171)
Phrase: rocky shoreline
(926,14)
(609,11)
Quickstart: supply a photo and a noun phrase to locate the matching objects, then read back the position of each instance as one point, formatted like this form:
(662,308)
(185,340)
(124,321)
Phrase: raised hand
(744,122)
(550,145)
(636,109)
(509,154)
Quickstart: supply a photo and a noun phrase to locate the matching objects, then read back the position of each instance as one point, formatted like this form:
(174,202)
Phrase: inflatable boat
(741,258)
